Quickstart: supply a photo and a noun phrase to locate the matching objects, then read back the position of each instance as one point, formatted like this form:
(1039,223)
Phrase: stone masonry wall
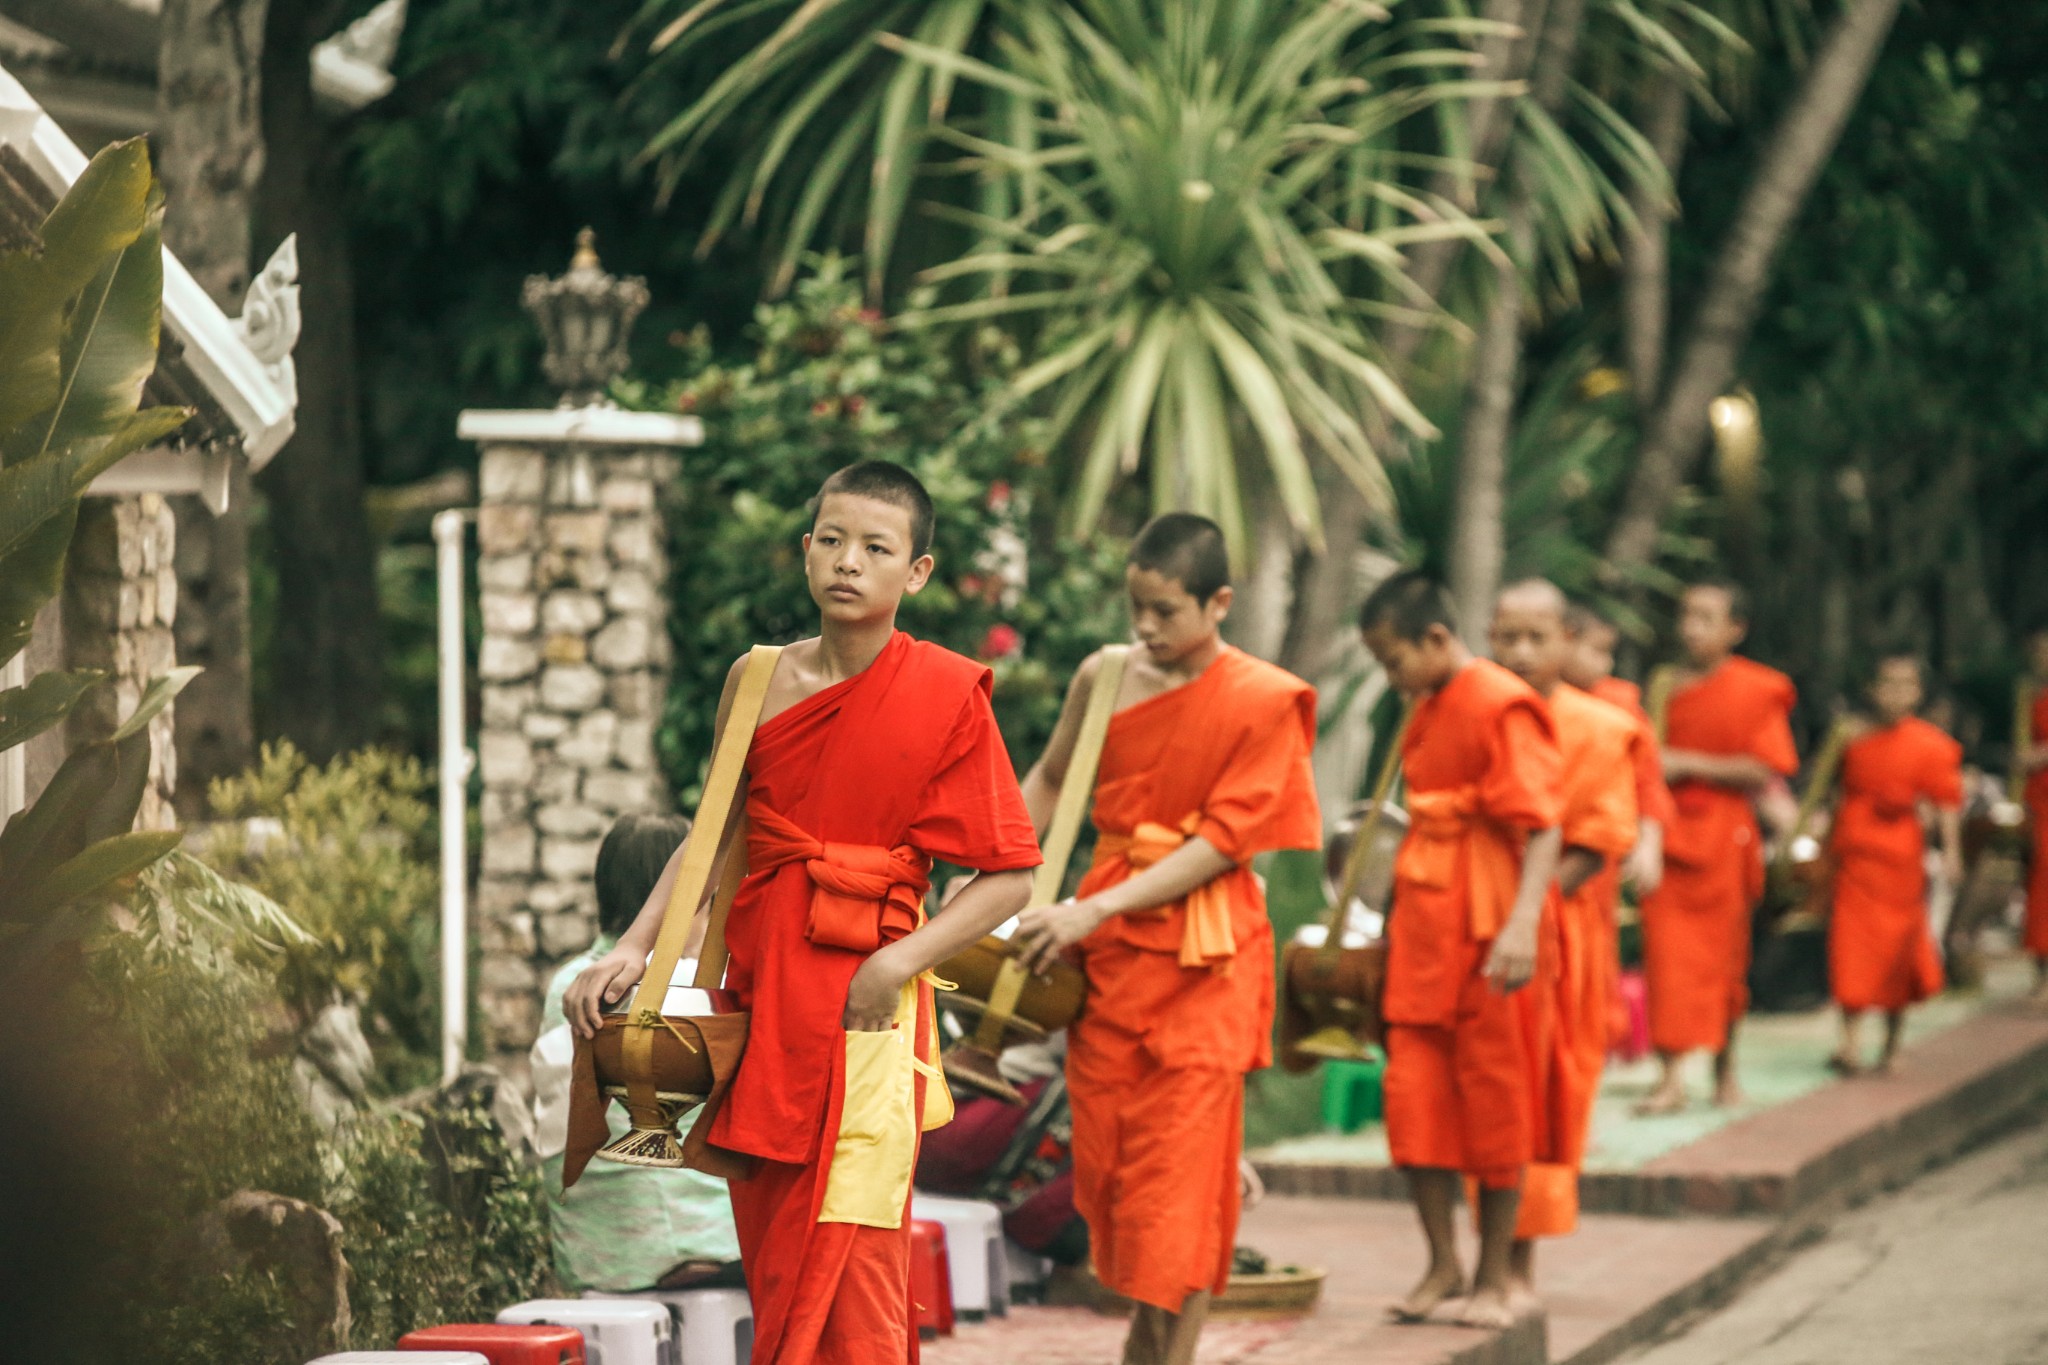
(574,667)
(120,601)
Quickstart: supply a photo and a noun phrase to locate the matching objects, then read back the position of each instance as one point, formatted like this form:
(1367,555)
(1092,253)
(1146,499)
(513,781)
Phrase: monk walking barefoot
(1205,765)
(1881,953)
(876,754)
(1727,736)
(1597,825)
(1472,892)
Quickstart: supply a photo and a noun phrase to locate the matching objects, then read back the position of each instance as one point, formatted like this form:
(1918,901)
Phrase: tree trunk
(210,157)
(326,673)
(1799,147)
(1646,250)
(1478,547)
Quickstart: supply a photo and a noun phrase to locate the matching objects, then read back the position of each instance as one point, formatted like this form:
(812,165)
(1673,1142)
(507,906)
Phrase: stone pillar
(120,601)
(572,575)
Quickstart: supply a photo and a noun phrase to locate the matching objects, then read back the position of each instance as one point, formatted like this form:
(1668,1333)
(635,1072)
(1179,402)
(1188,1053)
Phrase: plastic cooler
(975,1262)
(712,1326)
(402,1358)
(615,1331)
(1352,1093)
(1632,1041)
(931,1284)
(502,1343)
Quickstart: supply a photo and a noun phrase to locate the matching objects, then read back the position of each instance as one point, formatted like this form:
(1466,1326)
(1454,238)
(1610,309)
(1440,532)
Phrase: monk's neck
(1703,667)
(1196,661)
(847,650)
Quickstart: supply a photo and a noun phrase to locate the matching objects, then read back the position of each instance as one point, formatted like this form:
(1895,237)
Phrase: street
(1949,1268)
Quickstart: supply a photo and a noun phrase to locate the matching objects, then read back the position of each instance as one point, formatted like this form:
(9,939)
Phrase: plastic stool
(502,1343)
(402,1358)
(1634,1042)
(1026,1272)
(712,1326)
(1352,1093)
(931,1285)
(615,1331)
(974,1252)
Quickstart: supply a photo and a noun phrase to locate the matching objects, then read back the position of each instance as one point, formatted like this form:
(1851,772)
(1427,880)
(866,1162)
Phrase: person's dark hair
(629,863)
(884,482)
(1581,616)
(1737,595)
(1410,603)
(1186,548)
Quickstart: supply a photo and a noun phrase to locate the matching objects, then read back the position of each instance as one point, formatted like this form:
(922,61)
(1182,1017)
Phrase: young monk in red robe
(1881,953)
(1205,766)
(1728,734)
(1589,666)
(1472,884)
(1597,825)
(2033,761)
(876,754)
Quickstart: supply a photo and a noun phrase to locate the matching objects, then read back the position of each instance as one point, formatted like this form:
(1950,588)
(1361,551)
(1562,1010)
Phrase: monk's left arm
(1577,867)
(1512,962)
(1743,772)
(1951,821)
(988,899)
(1044,931)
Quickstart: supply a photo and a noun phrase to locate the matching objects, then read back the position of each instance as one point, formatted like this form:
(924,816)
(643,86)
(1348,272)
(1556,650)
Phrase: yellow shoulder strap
(1078,786)
(1657,698)
(1361,839)
(728,761)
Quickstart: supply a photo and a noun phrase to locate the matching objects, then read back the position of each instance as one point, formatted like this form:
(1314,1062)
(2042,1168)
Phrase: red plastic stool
(502,1343)
(1633,1040)
(931,1283)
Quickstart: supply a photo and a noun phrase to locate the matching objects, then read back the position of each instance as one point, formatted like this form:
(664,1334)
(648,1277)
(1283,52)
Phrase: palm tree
(1212,212)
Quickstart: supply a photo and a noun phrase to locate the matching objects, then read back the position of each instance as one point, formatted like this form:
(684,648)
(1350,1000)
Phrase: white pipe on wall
(456,759)
(14,762)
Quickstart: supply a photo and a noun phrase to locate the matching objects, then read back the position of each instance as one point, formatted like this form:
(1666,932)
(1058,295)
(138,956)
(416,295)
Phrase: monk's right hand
(1512,963)
(601,985)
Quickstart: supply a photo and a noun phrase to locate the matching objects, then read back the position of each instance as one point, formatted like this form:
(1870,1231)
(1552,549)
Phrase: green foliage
(1210,210)
(828,384)
(204,1104)
(350,856)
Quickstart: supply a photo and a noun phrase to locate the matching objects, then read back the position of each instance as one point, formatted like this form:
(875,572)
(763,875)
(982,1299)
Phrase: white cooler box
(402,1358)
(975,1259)
(713,1326)
(615,1331)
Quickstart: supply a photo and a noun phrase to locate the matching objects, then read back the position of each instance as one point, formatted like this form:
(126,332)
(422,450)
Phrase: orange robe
(1696,924)
(1881,953)
(2037,803)
(852,793)
(1596,742)
(1653,797)
(1483,772)
(1180,999)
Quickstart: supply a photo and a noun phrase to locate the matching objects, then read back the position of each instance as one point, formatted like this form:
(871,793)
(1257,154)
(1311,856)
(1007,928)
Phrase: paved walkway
(1948,1269)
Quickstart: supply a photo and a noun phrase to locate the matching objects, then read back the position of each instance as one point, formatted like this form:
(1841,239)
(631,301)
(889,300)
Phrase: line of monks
(1534,782)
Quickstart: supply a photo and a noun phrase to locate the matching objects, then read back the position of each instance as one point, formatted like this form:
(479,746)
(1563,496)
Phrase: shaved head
(1528,635)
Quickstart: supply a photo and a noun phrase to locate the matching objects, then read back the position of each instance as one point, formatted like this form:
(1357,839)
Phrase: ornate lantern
(586,316)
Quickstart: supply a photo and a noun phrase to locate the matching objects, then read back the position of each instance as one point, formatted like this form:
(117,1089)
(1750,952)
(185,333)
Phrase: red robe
(1653,797)
(1483,772)
(851,794)
(1180,999)
(2037,804)
(1881,952)
(1596,742)
(1696,924)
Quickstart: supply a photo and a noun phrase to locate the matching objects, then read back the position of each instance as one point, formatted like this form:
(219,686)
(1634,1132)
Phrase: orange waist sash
(865,895)
(1206,937)
(1445,825)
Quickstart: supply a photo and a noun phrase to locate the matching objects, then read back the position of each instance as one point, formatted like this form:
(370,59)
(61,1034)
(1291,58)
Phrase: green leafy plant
(827,383)
(79,318)
(347,849)
(1196,294)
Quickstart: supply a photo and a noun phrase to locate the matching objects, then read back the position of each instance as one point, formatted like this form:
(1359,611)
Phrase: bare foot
(1447,1282)
(1488,1308)
(1523,1300)
(1665,1099)
(1842,1064)
(1727,1094)
(1886,1066)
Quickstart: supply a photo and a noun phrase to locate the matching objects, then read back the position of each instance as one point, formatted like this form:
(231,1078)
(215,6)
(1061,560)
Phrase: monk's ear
(1218,605)
(920,572)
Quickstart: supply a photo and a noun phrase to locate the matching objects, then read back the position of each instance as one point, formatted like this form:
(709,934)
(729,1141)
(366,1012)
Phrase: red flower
(822,408)
(1001,642)
(999,496)
(686,402)
(852,404)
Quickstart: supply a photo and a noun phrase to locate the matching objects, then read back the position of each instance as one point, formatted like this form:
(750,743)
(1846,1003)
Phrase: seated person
(624,1228)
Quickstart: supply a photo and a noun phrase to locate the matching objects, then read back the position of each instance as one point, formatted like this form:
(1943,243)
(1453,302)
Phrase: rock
(565,647)
(634,694)
(632,542)
(503,972)
(546,726)
(568,859)
(590,745)
(634,745)
(626,643)
(506,758)
(570,820)
(577,533)
(549,898)
(565,935)
(505,573)
(506,660)
(626,495)
(578,613)
(513,474)
(619,792)
(574,687)
(509,850)
(631,591)
(290,1242)
(503,705)
(505,528)
(509,613)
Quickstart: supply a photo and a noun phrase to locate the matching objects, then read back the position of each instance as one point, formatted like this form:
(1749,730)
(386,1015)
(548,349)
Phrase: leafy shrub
(829,383)
(351,858)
